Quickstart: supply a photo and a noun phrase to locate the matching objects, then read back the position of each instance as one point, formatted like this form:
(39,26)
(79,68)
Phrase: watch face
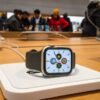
(57,61)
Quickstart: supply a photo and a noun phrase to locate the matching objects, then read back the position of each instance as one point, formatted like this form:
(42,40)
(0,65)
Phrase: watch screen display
(58,60)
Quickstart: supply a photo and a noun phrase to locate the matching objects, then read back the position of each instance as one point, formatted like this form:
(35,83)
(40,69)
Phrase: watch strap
(33,60)
(73,60)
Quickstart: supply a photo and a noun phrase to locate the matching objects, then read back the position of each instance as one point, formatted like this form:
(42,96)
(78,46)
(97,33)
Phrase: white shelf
(16,84)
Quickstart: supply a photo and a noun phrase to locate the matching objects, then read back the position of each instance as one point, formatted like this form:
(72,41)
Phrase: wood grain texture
(1,95)
(18,34)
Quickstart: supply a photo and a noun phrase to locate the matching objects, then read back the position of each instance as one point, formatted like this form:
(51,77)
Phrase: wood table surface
(15,34)
(60,41)
(87,54)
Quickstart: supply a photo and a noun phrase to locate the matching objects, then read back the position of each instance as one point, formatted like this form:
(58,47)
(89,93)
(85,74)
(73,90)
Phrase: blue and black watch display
(51,61)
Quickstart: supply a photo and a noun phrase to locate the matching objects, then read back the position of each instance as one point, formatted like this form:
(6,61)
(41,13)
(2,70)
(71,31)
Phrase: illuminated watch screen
(58,61)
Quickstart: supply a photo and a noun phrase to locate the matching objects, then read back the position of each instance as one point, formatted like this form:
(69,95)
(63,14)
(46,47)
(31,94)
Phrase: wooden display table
(18,34)
(87,54)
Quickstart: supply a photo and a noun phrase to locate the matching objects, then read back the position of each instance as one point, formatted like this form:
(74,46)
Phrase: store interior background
(74,8)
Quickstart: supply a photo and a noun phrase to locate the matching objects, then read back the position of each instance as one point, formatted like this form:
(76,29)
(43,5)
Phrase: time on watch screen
(58,61)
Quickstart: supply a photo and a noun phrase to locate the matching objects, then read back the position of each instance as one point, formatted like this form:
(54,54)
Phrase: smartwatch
(51,61)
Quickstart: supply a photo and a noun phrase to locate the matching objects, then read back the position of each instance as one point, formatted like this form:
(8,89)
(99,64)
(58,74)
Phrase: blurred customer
(92,19)
(25,20)
(37,20)
(1,24)
(3,19)
(70,27)
(15,21)
(57,23)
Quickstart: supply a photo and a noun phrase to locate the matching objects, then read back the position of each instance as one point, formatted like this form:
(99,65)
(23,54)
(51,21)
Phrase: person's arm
(32,24)
(51,25)
(64,23)
(50,22)
(44,21)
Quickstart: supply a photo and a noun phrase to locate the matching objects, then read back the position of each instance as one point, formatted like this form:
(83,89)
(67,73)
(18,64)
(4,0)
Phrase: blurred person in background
(25,20)
(3,19)
(92,16)
(37,19)
(57,23)
(70,27)
(15,21)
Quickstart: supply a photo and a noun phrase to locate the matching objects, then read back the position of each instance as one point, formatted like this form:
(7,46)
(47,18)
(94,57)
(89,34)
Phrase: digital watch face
(58,61)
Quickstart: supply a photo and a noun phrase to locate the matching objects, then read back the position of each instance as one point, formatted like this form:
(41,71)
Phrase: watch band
(33,60)
(73,60)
